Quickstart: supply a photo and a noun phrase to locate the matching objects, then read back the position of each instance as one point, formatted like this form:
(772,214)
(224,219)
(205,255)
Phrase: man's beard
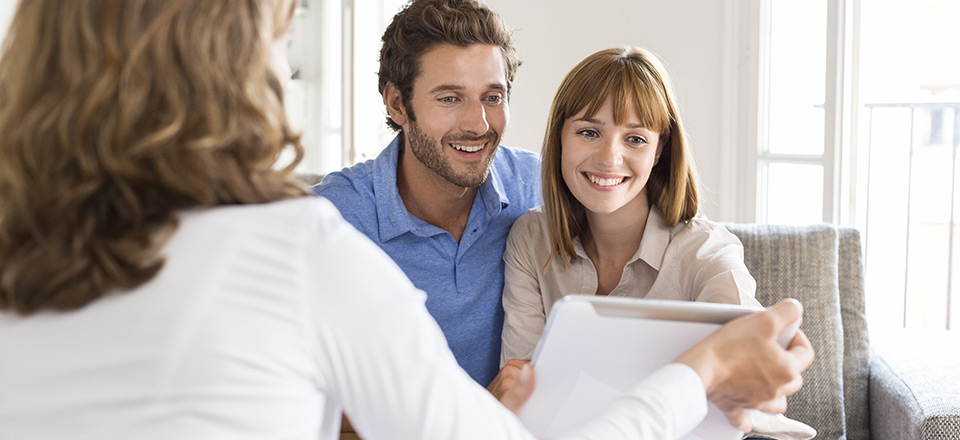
(430,153)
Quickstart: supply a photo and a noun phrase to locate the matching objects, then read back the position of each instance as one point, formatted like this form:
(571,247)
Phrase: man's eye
(448,99)
(495,99)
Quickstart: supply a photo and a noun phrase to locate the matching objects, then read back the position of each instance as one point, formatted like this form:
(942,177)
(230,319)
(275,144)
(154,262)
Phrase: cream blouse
(693,261)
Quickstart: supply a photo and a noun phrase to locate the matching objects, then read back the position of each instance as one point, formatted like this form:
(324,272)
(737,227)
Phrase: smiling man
(441,198)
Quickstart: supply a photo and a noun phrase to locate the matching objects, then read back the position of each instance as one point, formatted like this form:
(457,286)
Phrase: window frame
(746,77)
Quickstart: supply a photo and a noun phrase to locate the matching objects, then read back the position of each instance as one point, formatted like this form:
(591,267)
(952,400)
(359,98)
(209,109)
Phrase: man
(441,198)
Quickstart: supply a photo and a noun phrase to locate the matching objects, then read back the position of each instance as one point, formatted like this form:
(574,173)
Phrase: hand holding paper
(736,379)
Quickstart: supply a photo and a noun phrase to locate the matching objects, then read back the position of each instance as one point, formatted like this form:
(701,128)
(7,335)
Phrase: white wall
(553,35)
(7,8)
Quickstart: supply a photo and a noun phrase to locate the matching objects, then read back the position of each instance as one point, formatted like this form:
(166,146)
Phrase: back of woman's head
(116,114)
(635,80)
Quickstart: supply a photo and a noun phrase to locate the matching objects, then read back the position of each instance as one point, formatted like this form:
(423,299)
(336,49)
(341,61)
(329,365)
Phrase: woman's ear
(393,100)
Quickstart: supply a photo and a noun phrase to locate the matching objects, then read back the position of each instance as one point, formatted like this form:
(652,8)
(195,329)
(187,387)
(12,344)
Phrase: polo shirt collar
(492,192)
(392,215)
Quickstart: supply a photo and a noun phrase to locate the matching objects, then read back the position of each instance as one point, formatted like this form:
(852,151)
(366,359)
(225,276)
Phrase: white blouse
(266,322)
(693,261)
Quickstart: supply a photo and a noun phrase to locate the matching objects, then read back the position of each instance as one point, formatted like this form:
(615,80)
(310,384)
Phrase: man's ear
(393,100)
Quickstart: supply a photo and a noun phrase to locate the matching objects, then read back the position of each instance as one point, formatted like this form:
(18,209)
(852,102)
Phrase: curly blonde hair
(117,114)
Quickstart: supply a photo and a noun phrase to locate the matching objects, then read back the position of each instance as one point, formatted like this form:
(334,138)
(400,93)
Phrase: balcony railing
(910,213)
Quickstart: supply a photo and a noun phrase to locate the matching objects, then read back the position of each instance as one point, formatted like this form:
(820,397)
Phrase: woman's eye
(637,139)
(589,133)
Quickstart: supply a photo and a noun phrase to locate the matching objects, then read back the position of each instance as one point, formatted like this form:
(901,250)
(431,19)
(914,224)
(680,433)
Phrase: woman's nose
(609,155)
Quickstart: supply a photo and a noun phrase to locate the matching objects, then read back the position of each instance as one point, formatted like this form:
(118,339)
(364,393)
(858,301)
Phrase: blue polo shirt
(463,282)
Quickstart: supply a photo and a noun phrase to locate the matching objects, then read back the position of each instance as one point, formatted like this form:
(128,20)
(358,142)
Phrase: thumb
(785,312)
(516,395)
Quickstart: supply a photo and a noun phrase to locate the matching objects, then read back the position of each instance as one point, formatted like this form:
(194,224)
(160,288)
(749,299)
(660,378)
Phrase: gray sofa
(898,385)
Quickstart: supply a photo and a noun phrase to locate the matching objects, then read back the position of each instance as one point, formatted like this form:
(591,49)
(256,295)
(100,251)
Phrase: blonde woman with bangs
(620,214)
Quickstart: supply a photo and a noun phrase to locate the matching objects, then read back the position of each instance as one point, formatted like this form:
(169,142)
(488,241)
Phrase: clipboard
(594,349)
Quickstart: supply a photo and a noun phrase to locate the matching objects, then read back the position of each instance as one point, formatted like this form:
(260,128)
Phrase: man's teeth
(468,148)
(605,182)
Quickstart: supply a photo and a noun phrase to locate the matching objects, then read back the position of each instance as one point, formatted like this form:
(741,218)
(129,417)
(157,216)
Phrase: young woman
(620,209)
(620,204)
(160,279)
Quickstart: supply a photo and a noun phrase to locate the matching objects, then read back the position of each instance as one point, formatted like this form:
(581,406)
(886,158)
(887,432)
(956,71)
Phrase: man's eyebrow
(455,88)
(446,88)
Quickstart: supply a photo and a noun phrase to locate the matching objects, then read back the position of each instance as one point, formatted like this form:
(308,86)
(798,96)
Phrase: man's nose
(473,119)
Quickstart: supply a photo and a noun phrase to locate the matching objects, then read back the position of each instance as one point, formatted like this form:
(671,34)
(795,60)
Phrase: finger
(518,391)
(785,312)
(775,406)
(512,369)
(793,386)
(519,363)
(739,418)
(507,375)
(800,352)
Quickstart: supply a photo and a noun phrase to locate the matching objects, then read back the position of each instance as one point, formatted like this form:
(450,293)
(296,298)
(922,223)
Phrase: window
(334,101)
(855,110)
(907,194)
(797,110)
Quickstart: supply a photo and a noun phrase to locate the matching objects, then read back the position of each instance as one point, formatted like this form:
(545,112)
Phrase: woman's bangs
(638,91)
(631,89)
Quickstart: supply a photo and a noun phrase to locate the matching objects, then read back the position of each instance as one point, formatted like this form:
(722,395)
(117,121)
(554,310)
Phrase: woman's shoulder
(702,230)
(532,223)
(292,217)
(530,234)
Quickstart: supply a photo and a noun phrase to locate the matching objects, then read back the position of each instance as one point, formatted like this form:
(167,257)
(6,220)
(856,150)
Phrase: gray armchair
(887,387)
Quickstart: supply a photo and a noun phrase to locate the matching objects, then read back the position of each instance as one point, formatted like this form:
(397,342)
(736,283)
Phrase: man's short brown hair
(424,24)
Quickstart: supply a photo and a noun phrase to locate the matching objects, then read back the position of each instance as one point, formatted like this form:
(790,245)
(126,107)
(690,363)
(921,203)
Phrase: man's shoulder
(519,173)
(517,159)
(352,179)
(351,190)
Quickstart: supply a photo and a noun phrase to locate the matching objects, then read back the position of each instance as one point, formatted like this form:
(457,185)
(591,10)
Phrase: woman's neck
(613,238)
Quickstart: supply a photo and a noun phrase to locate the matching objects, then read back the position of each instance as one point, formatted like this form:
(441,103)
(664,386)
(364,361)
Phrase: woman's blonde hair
(117,114)
(635,79)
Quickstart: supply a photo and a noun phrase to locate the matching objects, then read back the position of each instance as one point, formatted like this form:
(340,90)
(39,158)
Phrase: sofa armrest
(915,385)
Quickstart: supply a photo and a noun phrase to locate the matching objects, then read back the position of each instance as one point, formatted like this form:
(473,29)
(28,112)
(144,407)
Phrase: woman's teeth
(605,182)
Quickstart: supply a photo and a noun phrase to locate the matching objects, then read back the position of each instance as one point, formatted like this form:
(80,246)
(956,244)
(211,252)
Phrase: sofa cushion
(914,384)
(801,262)
(856,340)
